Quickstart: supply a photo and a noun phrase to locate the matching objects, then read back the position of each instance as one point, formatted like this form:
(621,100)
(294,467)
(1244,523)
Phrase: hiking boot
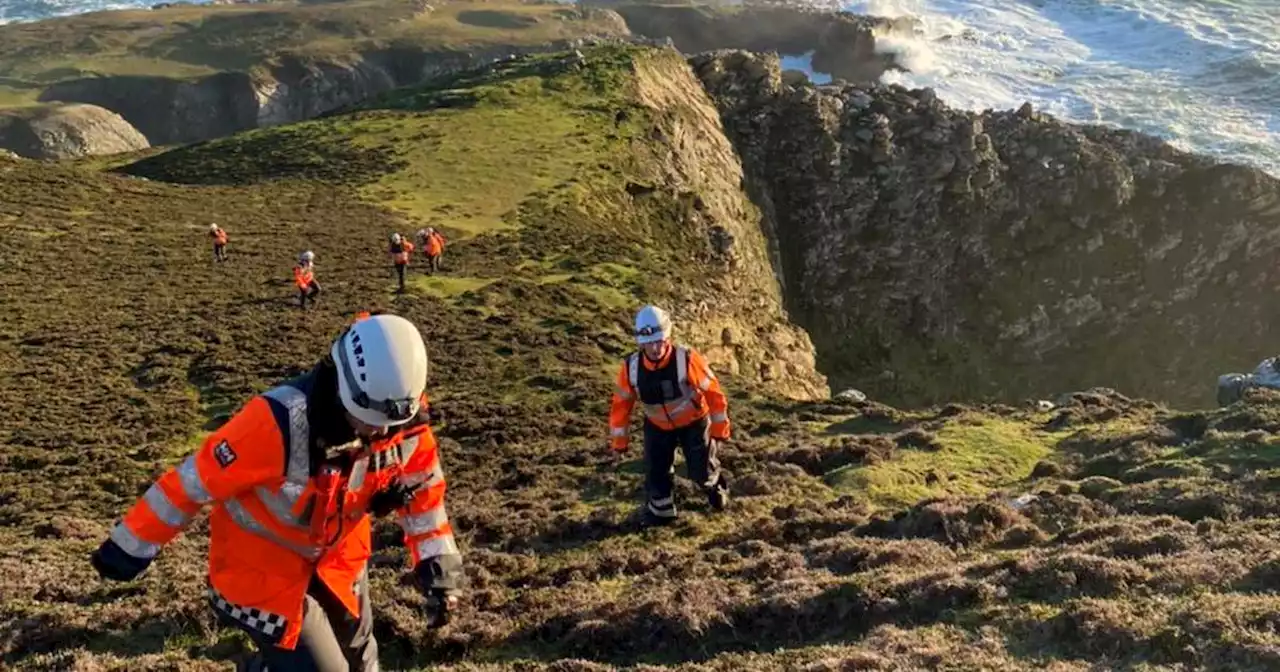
(650,519)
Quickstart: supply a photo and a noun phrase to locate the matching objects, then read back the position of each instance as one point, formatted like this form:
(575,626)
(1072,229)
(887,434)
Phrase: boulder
(63,131)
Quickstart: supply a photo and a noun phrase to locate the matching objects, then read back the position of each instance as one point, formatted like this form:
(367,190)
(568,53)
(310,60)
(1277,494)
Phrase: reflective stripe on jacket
(697,395)
(274,524)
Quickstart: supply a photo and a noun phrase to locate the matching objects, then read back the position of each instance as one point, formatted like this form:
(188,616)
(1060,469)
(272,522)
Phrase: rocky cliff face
(843,44)
(169,111)
(67,131)
(737,318)
(289,89)
(937,254)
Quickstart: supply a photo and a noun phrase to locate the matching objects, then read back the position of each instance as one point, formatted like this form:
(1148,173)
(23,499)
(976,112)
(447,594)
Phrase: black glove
(113,563)
(440,580)
(386,501)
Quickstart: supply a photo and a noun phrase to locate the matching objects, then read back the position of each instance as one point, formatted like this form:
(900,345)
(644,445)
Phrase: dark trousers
(332,639)
(308,294)
(219,252)
(433,264)
(700,460)
(400,274)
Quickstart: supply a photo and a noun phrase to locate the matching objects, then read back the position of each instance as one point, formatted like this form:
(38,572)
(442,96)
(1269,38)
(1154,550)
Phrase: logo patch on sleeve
(223,453)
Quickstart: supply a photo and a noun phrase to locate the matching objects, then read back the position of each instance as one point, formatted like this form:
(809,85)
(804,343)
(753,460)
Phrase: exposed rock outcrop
(287,88)
(935,254)
(169,111)
(67,131)
(744,328)
(843,44)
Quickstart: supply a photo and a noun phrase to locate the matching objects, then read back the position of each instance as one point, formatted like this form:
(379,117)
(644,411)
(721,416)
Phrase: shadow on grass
(657,631)
(41,634)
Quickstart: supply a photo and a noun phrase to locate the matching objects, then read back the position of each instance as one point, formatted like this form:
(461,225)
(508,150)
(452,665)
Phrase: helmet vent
(359,350)
(363,378)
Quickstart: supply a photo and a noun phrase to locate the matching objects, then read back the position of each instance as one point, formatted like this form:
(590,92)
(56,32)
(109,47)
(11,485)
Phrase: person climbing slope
(401,250)
(219,236)
(305,278)
(292,478)
(432,248)
(683,405)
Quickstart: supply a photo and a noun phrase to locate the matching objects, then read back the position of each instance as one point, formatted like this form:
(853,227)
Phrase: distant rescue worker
(304,276)
(683,404)
(219,236)
(432,248)
(401,250)
(292,478)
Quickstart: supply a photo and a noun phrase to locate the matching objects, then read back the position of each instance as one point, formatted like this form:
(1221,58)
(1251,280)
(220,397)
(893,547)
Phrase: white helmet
(213,227)
(382,369)
(422,233)
(395,237)
(307,256)
(652,325)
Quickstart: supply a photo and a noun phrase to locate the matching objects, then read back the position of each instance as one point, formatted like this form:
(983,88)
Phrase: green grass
(972,459)
(445,286)
(608,297)
(516,133)
(135,340)
(462,155)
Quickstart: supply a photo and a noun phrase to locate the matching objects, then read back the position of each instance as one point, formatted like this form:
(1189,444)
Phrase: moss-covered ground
(1107,533)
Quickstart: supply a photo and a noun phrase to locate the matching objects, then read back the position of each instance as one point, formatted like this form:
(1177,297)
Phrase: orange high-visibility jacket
(692,393)
(302,276)
(400,253)
(434,245)
(219,236)
(274,524)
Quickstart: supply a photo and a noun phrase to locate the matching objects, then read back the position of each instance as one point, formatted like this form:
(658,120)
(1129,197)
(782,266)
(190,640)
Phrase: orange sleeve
(624,400)
(704,379)
(245,452)
(425,521)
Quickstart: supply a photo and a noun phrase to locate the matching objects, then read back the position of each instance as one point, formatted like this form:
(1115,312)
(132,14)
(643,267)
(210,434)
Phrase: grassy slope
(190,41)
(862,536)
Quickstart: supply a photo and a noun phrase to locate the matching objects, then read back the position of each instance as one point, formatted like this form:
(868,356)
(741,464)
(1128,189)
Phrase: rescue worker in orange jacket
(292,478)
(401,250)
(683,405)
(219,236)
(304,278)
(432,248)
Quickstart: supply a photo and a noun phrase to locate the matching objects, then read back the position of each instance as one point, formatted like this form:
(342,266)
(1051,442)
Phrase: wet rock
(851,395)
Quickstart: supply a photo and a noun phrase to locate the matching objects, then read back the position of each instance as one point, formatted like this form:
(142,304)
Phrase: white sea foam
(1204,74)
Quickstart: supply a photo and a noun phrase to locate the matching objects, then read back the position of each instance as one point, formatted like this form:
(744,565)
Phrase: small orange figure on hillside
(432,248)
(401,250)
(219,236)
(305,278)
